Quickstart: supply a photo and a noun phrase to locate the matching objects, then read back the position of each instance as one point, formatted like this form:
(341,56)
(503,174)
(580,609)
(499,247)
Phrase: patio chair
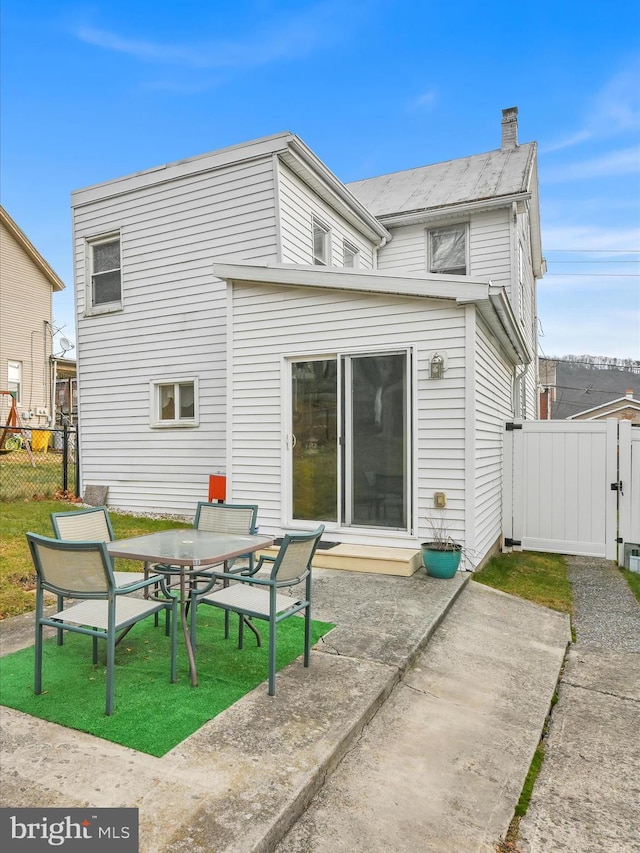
(93,525)
(260,597)
(227,518)
(90,525)
(84,570)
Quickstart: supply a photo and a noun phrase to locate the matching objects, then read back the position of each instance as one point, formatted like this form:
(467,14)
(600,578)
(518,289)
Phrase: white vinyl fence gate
(572,487)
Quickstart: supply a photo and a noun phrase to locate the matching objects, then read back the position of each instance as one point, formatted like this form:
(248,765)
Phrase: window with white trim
(14,379)
(349,256)
(174,403)
(447,250)
(104,283)
(321,248)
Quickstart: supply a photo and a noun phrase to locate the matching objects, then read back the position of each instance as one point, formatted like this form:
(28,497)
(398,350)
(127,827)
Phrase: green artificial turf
(151,714)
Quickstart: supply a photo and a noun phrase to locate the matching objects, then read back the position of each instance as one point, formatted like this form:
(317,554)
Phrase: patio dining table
(186,552)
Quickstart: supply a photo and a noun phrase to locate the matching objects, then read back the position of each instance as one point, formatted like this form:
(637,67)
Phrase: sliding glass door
(314,427)
(350,440)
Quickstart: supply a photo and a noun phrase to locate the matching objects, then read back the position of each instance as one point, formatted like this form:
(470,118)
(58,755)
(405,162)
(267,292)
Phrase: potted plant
(441,554)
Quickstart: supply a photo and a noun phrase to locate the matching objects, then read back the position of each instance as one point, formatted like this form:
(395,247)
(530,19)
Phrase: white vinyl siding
(493,406)
(527,311)
(292,323)
(174,317)
(298,205)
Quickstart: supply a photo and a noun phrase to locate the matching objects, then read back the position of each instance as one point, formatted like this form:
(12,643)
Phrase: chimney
(509,128)
(629,393)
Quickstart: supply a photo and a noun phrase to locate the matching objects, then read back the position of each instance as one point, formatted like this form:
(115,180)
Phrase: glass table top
(188,547)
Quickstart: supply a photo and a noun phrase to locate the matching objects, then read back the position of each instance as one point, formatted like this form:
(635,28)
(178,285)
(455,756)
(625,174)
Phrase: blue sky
(94,90)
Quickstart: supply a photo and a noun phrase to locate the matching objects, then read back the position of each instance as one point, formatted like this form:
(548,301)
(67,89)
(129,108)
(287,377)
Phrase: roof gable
(30,250)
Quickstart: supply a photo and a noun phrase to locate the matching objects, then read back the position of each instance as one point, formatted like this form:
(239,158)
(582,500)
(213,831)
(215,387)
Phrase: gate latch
(617,487)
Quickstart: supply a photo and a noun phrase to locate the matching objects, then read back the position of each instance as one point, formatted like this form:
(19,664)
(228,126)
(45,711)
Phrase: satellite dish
(65,344)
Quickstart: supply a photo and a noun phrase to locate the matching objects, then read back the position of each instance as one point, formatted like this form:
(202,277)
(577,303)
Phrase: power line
(598,274)
(602,251)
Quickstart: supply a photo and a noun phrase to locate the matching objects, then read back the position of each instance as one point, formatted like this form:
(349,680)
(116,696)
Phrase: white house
(343,353)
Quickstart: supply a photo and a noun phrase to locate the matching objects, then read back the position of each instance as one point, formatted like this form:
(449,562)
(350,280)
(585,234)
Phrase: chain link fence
(39,464)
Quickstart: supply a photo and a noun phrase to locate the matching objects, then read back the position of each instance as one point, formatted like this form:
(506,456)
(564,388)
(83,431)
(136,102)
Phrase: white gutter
(416,217)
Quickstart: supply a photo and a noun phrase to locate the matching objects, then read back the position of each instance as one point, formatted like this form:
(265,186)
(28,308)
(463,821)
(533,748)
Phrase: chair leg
(240,629)
(272,657)
(252,627)
(111,659)
(94,645)
(37,682)
(307,634)
(173,617)
(60,632)
(193,625)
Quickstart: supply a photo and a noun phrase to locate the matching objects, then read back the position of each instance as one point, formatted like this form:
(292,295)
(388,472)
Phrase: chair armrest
(125,589)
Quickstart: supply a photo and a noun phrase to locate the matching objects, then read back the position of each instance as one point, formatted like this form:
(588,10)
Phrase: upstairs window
(447,249)
(14,379)
(321,243)
(174,403)
(349,256)
(105,274)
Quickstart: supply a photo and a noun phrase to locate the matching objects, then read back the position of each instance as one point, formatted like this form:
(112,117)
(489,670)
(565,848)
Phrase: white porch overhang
(491,300)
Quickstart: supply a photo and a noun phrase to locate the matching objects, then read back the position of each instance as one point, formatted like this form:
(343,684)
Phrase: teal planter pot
(441,563)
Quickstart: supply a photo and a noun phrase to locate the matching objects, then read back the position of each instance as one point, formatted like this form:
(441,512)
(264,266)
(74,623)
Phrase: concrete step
(399,562)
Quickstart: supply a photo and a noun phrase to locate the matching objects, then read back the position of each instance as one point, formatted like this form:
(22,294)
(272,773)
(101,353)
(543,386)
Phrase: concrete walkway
(587,797)
(441,766)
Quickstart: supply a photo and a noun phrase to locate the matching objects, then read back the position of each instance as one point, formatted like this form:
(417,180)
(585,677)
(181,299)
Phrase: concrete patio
(244,780)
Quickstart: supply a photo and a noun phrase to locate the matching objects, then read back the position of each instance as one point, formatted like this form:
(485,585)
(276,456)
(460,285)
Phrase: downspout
(376,249)
(517,389)
(54,379)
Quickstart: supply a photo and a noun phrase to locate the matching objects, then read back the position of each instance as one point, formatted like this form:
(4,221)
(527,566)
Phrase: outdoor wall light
(436,366)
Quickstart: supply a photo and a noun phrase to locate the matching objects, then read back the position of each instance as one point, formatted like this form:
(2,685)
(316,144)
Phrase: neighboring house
(547,378)
(66,397)
(340,352)
(570,386)
(624,409)
(27,285)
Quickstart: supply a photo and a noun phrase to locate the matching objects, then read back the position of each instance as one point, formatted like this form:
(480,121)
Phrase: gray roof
(468,179)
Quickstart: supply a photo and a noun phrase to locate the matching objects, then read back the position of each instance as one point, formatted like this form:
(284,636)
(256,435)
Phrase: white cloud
(613,110)
(283,38)
(615,163)
(426,100)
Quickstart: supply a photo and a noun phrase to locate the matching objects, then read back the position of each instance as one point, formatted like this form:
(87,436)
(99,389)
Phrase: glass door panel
(376,419)
(315,439)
